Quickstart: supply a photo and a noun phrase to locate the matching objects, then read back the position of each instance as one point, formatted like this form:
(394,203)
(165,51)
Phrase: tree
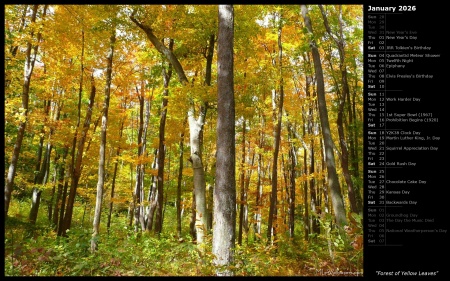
(77,166)
(224,222)
(277,100)
(195,133)
(102,152)
(30,59)
(138,195)
(333,181)
(162,147)
(340,43)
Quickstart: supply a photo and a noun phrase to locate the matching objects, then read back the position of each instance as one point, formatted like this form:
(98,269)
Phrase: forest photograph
(183,140)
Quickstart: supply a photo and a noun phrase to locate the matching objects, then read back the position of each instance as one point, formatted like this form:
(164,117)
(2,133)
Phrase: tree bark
(102,151)
(180,177)
(77,168)
(38,177)
(224,223)
(113,184)
(242,202)
(292,158)
(140,167)
(35,201)
(278,111)
(161,148)
(59,192)
(333,181)
(259,181)
(195,129)
(208,70)
(340,43)
(30,59)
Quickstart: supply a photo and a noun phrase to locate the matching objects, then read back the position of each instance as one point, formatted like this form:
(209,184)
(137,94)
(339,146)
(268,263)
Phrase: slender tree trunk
(113,184)
(224,223)
(340,43)
(76,173)
(35,201)
(161,149)
(195,129)
(192,230)
(51,202)
(64,223)
(43,173)
(63,208)
(259,184)
(180,177)
(52,195)
(152,195)
(292,174)
(208,71)
(278,111)
(140,167)
(39,157)
(245,221)
(333,181)
(39,174)
(353,145)
(102,152)
(59,204)
(306,225)
(315,228)
(30,58)
(242,202)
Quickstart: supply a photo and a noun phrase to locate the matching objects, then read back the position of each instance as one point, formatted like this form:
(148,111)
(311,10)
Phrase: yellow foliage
(188,172)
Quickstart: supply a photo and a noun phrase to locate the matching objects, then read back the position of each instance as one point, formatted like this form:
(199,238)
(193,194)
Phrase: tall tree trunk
(192,230)
(51,202)
(292,158)
(60,227)
(113,184)
(259,183)
(140,167)
(52,195)
(76,170)
(340,43)
(278,111)
(64,223)
(102,152)
(333,181)
(312,191)
(208,70)
(59,193)
(195,129)
(35,201)
(245,222)
(38,177)
(180,177)
(306,225)
(242,202)
(161,148)
(353,143)
(152,195)
(224,223)
(30,59)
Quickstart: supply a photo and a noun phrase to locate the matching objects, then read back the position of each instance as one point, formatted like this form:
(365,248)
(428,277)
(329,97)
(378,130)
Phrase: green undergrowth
(36,250)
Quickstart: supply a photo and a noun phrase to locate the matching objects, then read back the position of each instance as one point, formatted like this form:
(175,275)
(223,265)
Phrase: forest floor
(36,250)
